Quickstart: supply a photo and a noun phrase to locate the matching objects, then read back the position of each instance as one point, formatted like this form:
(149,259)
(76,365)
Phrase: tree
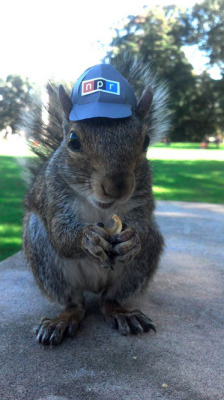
(158,37)
(205,26)
(14,98)
(206,23)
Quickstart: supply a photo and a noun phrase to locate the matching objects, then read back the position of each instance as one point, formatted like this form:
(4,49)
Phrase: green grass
(183,180)
(12,190)
(199,181)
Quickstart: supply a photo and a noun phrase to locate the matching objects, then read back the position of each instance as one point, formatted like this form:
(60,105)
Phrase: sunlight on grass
(199,180)
(9,228)
(11,240)
(11,209)
(160,189)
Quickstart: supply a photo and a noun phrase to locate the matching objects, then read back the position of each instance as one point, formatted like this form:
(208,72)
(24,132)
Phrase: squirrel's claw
(95,243)
(134,323)
(127,322)
(126,245)
(52,331)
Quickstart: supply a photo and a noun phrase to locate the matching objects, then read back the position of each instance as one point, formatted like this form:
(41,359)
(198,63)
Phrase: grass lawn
(12,190)
(199,181)
(177,179)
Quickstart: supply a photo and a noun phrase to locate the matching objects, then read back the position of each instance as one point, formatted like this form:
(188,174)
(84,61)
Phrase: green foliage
(158,37)
(206,20)
(14,97)
(205,116)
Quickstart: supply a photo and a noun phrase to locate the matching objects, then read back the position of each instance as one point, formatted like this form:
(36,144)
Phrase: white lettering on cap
(99,84)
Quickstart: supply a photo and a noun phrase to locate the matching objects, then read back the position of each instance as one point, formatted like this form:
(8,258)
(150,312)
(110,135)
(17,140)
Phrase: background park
(184,44)
(190,166)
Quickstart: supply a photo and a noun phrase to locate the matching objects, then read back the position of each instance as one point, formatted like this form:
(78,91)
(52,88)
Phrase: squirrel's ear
(144,103)
(65,100)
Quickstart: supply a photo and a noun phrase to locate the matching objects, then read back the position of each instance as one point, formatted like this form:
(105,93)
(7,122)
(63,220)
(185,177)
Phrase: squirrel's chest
(88,275)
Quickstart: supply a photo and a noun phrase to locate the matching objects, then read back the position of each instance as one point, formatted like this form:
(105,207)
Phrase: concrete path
(183,361)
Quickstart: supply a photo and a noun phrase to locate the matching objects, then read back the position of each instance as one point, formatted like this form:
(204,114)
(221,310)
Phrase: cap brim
(99,110)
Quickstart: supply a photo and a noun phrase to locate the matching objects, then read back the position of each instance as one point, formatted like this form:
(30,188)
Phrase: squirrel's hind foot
(53,331)
(127,322)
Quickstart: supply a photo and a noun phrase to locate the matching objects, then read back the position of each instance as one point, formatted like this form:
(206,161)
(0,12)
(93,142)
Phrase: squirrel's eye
(146,143)
(74,142)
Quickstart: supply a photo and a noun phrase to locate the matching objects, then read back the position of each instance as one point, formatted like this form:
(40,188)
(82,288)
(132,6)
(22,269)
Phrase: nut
(116,228)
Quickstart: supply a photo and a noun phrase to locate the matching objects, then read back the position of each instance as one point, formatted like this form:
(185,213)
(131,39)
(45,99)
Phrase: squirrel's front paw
(95,243)
(126,245)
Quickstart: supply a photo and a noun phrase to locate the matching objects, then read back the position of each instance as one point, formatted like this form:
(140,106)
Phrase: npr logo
(100,85)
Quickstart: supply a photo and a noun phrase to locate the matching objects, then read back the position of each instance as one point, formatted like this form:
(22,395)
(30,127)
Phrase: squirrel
(93,165)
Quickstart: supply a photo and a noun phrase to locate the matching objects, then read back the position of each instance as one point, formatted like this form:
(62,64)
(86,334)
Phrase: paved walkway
(183,361)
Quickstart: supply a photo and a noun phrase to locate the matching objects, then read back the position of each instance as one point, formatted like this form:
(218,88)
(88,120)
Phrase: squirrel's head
(106,156)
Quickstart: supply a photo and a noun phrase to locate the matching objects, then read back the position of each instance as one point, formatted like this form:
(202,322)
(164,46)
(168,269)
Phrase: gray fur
(140,75)
(66,249)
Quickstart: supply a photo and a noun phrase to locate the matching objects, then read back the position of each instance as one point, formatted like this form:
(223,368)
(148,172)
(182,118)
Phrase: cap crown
(102,91)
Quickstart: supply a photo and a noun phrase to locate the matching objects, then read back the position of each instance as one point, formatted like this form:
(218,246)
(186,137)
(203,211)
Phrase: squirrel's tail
(42,124)
(140,75)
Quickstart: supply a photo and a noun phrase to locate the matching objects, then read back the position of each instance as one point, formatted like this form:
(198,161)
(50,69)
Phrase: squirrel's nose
(118,185)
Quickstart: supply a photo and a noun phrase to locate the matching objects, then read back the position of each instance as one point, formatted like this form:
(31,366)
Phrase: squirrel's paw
(95,243)
(126,245)
(127,322)
(52,331)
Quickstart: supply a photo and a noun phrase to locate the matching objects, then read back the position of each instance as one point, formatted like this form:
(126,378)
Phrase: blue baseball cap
(101,91)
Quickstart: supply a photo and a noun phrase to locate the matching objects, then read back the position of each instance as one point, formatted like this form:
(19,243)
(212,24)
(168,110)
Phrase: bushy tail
(139,75)
(42,124)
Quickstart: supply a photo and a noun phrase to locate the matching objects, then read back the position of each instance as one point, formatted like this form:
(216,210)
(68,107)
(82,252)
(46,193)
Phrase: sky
(59,39)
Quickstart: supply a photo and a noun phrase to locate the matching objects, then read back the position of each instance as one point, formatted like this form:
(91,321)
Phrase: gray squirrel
(94,165)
